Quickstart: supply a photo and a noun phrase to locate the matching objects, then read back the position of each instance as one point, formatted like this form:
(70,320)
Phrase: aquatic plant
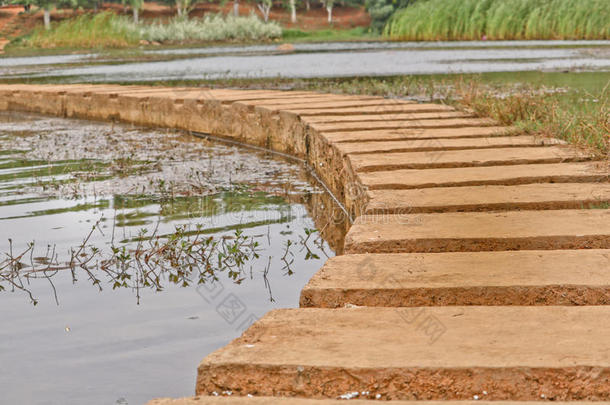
(432,20)
(185,257)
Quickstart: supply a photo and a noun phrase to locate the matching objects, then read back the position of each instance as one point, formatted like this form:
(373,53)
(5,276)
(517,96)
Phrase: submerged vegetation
(430,20)
(108,30)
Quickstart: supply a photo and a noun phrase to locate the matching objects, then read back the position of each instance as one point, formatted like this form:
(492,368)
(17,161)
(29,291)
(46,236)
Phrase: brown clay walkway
(477,268)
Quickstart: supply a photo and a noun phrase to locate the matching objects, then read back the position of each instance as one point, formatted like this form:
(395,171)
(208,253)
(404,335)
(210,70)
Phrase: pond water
(83,193)
(317,60)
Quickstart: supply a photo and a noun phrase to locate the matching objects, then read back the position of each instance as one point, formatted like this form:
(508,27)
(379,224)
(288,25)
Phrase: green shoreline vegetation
(108,30)
(413,20)
(432,20)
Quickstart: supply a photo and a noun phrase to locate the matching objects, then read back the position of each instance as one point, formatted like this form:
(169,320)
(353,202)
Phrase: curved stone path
(477,268)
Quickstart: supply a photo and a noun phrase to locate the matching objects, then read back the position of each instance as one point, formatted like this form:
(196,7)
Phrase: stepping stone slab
(416,133)
(380,103)
(424,353)
(466,158)
(443,144)
(484,198)
(475,176)
(400,124)
(315,98)
(480,231)
(386,117)
(373,111)
(555,277)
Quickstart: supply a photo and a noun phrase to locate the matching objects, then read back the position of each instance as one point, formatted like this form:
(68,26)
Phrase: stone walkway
(477,268)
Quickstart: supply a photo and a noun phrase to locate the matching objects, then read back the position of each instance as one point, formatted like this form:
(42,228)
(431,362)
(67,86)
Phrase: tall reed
(429,20)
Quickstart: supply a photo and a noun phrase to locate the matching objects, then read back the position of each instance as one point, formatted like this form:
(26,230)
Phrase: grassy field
(429,20)
(329,35)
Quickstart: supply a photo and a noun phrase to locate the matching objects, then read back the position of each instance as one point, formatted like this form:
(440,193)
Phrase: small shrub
(211,28)
(108,30)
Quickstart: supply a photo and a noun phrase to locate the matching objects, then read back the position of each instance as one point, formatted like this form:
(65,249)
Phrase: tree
(293,11)
(184,7)
(265,8)
(46,6)
(135,5)
(328,4)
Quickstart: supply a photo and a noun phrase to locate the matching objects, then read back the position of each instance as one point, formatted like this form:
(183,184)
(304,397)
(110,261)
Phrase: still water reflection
(74,192)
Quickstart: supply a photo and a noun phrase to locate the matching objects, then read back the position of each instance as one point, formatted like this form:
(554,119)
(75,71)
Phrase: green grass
(578,117)
(429,20)
(103,30)
(107,30)
(328,35)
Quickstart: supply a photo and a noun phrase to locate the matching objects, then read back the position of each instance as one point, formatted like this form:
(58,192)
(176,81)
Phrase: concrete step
(234,400)
(548,277)
(423,145)
(372,111)
(425,353)
(466,158)
(385,117)
(380,103)
(230,96)
(475,176)
(480,231)
(406,134)
(403,124)
(312,98)
(486,198)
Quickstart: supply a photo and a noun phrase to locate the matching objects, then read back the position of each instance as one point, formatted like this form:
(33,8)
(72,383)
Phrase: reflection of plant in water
(184,257)
(133,170)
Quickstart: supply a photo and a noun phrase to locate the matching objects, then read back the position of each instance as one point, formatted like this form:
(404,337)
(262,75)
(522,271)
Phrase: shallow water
(330,60)
(60,177)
